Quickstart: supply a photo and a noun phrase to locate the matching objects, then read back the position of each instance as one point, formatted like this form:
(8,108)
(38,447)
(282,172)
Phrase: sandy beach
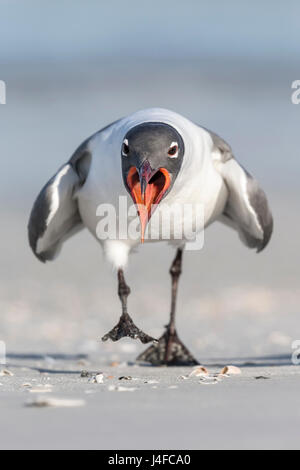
(155,409)
(234,307)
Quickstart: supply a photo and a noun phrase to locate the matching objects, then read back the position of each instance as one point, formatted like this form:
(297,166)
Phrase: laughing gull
(153,158)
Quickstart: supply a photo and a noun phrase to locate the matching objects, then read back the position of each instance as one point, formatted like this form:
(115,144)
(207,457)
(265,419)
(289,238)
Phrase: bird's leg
(175,272)
(170,350)
(125,326)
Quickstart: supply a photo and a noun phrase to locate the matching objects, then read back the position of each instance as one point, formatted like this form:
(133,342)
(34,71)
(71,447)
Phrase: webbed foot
(169,350)
(126,327)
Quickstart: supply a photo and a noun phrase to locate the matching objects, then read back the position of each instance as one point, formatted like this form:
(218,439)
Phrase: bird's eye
(125,148)
(173,150)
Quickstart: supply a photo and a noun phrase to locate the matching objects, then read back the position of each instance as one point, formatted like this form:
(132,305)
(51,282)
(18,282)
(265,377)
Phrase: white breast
(198,184)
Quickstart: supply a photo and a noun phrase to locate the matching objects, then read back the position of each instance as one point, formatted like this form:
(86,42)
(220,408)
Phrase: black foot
(126,327)
(170,351)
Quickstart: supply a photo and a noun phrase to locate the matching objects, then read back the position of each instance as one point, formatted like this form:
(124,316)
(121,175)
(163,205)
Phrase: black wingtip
(268,230)
(40,257)
(33,239)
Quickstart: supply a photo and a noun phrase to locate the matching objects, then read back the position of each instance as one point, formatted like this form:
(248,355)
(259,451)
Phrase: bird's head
(152,155)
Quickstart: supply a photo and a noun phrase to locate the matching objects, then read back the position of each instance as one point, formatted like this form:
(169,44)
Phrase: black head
(152,155)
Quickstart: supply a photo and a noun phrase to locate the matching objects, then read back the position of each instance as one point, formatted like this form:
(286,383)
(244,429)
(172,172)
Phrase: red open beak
(147,188)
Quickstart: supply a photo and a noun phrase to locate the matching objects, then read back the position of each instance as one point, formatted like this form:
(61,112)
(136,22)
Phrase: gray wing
(55,216)
(246,209)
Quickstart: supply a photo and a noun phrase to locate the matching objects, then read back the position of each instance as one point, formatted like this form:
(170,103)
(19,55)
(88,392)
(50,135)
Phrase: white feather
(54,205)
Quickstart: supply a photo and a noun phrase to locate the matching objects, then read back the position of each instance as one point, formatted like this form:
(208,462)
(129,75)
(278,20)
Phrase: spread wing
(55,216)
(246,209)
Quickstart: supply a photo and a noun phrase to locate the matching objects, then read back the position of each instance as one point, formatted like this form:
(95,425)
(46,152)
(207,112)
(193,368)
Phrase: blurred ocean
(231,301)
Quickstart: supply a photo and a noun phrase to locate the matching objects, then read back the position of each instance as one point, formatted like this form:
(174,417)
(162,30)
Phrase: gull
(153,159)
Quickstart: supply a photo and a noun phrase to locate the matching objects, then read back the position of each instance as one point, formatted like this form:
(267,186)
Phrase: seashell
(55,402)
(97,379)
(197,371)
(6,372)
(230,370)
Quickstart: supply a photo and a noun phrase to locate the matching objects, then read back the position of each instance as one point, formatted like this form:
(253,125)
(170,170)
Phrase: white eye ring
(124,145)
(173,146)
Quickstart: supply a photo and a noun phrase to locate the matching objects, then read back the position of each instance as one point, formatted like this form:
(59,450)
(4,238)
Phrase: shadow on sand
(44,357)
(274,360)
